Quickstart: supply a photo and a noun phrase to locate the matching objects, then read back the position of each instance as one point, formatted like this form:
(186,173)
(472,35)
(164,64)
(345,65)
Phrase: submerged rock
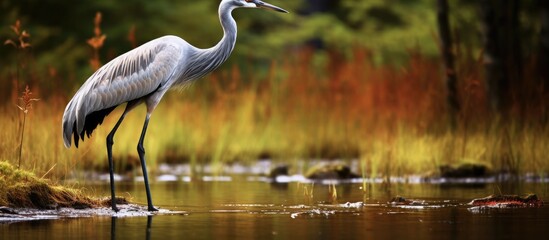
(465,170)
(530,200)
(398,200)
(279,170)
(7,210)
(331,170)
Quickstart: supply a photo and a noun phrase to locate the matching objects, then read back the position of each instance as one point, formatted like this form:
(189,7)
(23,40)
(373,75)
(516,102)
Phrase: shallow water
(248,208)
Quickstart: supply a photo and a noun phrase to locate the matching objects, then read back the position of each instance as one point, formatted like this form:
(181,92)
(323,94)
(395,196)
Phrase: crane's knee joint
(140,149)
(110,141)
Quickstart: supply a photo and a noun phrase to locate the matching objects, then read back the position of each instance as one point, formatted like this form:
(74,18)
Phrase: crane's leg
(110,142)
(141,152)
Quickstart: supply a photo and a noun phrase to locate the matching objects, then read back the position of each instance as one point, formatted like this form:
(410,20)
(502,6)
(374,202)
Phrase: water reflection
(147,228)
(258,210)
(149,223)
(279,186)
(113,228)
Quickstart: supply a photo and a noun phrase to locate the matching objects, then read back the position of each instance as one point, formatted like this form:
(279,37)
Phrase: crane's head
(258,4)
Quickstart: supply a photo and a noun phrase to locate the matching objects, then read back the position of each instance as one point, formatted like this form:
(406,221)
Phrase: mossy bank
(22,189)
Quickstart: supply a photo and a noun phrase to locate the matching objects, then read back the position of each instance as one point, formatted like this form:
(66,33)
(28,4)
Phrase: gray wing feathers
(130,76)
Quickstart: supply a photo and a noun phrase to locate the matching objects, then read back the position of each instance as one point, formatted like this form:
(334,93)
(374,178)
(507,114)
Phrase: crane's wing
(128,77)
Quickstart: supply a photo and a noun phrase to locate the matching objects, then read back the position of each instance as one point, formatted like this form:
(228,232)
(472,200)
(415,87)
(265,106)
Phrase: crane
(143,75)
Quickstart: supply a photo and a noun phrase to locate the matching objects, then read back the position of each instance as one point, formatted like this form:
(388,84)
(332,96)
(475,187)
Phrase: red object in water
(530,200)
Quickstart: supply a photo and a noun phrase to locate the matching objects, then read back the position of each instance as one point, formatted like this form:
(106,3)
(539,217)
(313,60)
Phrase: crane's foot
(115,209)
(152,209)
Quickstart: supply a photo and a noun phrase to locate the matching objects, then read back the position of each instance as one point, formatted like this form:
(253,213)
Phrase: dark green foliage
(60,28)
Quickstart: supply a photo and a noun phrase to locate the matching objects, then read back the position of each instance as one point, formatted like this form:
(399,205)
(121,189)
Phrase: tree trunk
(544,56)
(512,56)
(515,59)
(495,77)
(448,56)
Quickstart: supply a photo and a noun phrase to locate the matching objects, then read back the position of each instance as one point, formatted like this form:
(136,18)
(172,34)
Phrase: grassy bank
(20,188)
(393,119)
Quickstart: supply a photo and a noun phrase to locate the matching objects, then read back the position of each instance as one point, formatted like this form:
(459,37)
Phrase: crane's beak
(261,4)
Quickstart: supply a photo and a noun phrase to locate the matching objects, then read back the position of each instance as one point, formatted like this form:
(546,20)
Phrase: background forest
(405,86)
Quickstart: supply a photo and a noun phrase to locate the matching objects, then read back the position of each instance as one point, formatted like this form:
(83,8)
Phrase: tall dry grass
(392,118)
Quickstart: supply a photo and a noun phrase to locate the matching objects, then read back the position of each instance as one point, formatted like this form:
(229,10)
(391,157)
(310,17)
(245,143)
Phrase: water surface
(243,208)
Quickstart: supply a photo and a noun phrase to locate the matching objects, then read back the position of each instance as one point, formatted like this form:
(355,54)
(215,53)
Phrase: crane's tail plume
(91,121)
(69,125)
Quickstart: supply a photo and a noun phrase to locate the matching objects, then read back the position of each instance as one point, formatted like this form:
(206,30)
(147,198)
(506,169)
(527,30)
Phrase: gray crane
(143,75)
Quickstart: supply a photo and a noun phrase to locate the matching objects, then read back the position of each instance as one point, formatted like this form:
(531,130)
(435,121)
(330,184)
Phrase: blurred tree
(543,61)
(446,47)
(503,56)
(512,53)
(312,7)
(497,81)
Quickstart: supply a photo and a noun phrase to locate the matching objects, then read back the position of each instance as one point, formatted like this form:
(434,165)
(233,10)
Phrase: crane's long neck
(207,60)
